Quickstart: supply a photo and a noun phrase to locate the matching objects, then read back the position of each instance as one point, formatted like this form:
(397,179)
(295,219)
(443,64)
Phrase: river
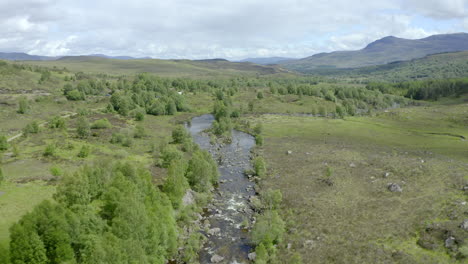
(229,209)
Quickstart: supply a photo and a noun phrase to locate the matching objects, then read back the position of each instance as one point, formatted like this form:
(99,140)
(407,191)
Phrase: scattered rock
(450,242)
(386,174)
(309,244)
(464,225)
(393,187)
(216,259)
(188,198)
(252,256)
(214,231)
(289,246)
(289,152)
(352,165)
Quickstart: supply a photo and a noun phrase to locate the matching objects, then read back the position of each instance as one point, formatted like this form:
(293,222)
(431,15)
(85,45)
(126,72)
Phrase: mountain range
(383,51)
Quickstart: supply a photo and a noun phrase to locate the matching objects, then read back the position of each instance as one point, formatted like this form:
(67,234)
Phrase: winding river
(228,241)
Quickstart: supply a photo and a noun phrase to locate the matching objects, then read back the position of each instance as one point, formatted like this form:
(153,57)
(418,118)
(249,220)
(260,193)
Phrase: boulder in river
(214,231)
(216,259)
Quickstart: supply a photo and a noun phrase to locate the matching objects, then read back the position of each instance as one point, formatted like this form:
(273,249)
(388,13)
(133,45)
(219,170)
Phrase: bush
(82,127)
(259,95)
(2,178)
(50,150)
(101,124)
(168,154)
(3,143)
(31,128)
(260,167)
(23,106)
(57,122)
(268,229)
(259,140)
(84,151)
(56,171)
(179,134)
(140,131)
(74,95)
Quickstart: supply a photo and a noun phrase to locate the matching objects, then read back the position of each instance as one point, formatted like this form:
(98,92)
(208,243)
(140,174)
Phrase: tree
(82,127)
(26,246)
(23,106)
(179,134)
(268,229)
(176,184)
(202,171)
(168,154)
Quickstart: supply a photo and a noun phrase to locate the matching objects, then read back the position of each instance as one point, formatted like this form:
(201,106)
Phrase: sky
(231,29)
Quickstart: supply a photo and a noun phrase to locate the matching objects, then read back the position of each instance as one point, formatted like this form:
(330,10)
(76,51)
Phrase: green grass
(170,68)
(17,200)
(356,219)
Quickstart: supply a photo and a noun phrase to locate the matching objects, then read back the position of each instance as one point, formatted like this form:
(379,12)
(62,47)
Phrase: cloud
(212,28)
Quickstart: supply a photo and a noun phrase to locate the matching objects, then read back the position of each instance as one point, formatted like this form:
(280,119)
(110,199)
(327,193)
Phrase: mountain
(267,61)
(382,51)
(117,57)
(15,56)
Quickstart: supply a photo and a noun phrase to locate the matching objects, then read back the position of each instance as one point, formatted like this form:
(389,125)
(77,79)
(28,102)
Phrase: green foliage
(84,151)
(23,106)
(2,177)
(123,137)
(176,183)
(57,122)
(75,95)
(260,95)
(259,140)
(50,150)
(101,124)
(271,199)
(3,143)
(179,134)
(169,153)
(202,171)
(259,167)
(268,229)
(82,127)
(258,129)
(56,171)
(31,128)
(139,132)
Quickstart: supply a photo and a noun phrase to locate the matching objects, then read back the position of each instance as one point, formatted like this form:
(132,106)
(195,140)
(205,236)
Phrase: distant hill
(17,56)
(382,51)
(268,61)
(173,68)
(436,66)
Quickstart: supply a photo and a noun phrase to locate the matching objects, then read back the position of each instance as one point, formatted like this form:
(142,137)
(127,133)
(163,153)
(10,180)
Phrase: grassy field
(337,205)
(170,68)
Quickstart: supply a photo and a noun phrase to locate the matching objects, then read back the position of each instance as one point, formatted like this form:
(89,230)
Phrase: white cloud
(211,28)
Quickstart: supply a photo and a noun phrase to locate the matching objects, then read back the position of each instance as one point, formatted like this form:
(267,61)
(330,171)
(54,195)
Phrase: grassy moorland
(97,146)
(336,200)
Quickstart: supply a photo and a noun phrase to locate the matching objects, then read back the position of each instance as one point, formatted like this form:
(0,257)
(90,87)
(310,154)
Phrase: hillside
(437,66)
(269,60)
(383,51)
(175,68)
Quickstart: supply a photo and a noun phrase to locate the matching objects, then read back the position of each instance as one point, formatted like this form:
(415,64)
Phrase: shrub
(179,134)
(168,154)
(101,124)
(260,167)
(23,106)
(57,122)
(56,171)
(139,132)
(3,143)
(31,128)
(50,150)
(259,140)
(259,95)
(75,95)
(84,151)
(2,178)
(82,127)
